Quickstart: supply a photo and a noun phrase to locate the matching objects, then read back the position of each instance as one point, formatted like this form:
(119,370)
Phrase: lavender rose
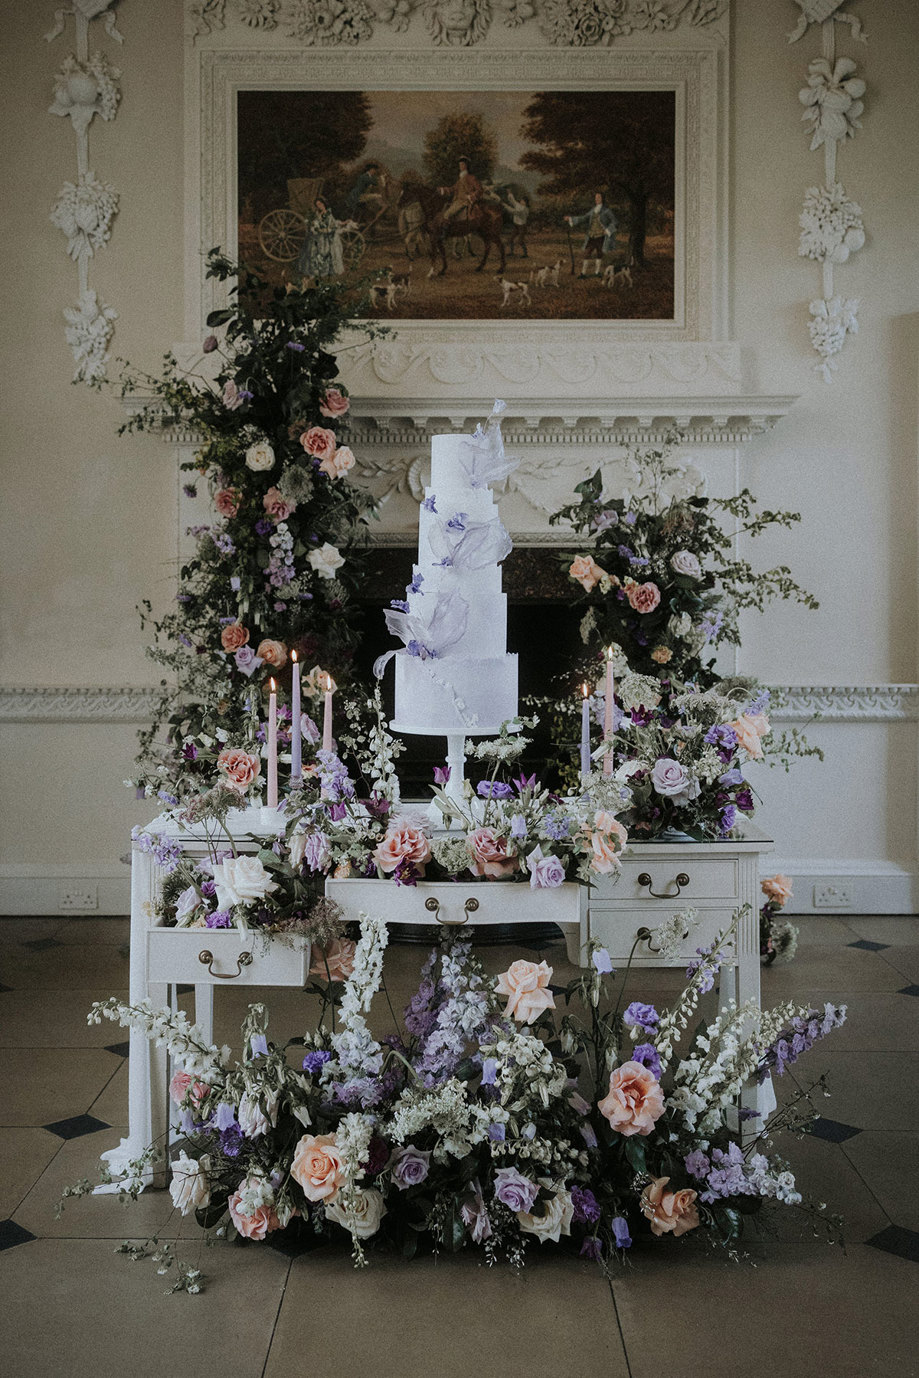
(513,1190)
(546,872)
(684,562)
(668,777)
(410,1167)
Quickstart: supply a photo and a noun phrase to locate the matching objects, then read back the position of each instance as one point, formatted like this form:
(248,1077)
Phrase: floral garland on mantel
(477,1124)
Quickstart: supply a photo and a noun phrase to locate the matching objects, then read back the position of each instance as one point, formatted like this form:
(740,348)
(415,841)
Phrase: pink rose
(335,403)
(669,1211)
(226,500)
(233,636)
(635,1100)
(338,464)
(748,736)
(184,1084)
(318,1167)
(255,1226)
(401,842)
(319,442)
(335,961)
(586,571)
(489,854)
(526,984)
(232,399)
(643,597)
(238,766)
(277,507)
(273,653)
(777,889)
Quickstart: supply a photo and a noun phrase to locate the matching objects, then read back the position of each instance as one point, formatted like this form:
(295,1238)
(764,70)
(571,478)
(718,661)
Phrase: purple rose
(410,1167)
(546,872)
(513,1190)
(641,1016)
(247,661)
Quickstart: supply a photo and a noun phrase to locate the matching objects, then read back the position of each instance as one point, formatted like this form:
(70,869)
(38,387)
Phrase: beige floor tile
(828,967)
(68,967)
(823,1175)
(41,1085)
(889,1164)
(822,928)
(96,1217)
(901,929)
(449,1319)
(876,1091)
(111,1105)
(104,930)
(73,1308)
(905,962)
(803,1309)
(31,1020)
(24,1155)
(28,929)
(876,1022)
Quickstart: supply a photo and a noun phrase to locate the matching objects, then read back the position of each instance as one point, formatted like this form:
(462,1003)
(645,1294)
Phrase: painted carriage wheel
(281,234)
(352,247)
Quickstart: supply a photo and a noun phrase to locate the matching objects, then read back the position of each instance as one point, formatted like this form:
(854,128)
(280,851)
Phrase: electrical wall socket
(834,894)
(84,897)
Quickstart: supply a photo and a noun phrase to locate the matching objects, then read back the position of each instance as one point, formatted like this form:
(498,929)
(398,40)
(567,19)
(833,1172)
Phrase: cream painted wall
(88,521)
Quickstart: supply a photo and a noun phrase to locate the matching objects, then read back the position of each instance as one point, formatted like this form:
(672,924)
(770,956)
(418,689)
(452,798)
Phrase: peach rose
(643,597)
(184,1084)
(586,571)
(401,842)
(238,766)
(760,723)
(669,1211)
(338,464)
(777,888)
(334,403)
(277,507)
(233,636)
(254,1226)
(273,653)
(489,854)
(337,956)
(747,736)
(635,1100)
(526,984)
(317,682)
(319,442)
(342,871)
(662,655)
(318,1167)
(608,832)
(226,500)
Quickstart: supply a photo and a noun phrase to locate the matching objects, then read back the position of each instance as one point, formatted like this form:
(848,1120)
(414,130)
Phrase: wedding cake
(454,674)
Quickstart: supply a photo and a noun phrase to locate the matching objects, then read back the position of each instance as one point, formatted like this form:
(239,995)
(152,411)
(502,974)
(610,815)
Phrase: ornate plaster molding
(847,702)
(94,705)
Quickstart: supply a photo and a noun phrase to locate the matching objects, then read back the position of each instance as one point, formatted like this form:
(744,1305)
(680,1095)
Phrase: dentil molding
(799,703)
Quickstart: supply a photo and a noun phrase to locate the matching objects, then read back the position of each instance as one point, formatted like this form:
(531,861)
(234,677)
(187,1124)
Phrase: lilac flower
(415,585)
(235,582)
(646,1054)
(625,552)
(314,1062)
(458,521)
(220,918)
(489,1071)
(708,978)
(602,961)
(621,1232)
(513,1190)
(586,1208)
(556,827)
(258,1045)
(496,1132)
(604,520)
(697,1163)
(401,604)
(711,626)
(592,1248)
(493,789)
(190,490)
(518,825)
(759,704)
(441,775)
(588,1135)
(429,504)
(410,1167)
(641,1016)
(263,527)
(296,346)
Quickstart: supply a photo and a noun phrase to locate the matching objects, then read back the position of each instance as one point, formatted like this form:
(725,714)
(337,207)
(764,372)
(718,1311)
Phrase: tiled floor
(794,1306)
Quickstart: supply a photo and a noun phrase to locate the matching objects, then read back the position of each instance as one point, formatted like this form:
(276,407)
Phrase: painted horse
(479,218)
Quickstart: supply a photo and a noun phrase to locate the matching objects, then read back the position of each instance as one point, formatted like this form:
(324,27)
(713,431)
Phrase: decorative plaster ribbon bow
(482,455)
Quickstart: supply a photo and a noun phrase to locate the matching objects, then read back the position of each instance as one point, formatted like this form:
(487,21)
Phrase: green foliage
(454,136)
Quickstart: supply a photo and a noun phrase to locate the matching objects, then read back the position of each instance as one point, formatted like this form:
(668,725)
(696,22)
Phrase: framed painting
(466,205)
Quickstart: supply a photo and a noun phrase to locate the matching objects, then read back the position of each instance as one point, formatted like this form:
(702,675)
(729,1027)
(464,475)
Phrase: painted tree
(618,142)
(286,134)
(455,136)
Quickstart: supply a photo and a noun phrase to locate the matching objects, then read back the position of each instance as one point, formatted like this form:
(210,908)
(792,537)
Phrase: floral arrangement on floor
(659,573)
(778,939)
(277,567)
(485,1120)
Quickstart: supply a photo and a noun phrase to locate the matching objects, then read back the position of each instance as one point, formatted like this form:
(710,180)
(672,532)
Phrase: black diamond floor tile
(908,990)
(42,944)
(76,1126)
(833,1131)
(119,1049)
(4,989)
(867,945)
(12,1234)
(896,1239)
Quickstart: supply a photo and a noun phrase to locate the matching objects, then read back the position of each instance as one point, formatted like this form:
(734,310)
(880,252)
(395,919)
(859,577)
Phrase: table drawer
(178,955)
(617,930)
(456,903)
(674,882)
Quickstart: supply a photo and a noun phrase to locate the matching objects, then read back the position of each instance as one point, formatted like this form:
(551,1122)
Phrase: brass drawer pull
(644,935)
(432,904)
(681,880)
(206,958)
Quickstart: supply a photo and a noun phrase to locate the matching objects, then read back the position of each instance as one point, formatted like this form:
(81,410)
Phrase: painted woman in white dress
(321,255)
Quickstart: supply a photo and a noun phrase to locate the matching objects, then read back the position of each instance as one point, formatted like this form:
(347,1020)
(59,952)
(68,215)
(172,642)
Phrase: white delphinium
(357,1052)
(183,1040)
(674,1021)
(668,937)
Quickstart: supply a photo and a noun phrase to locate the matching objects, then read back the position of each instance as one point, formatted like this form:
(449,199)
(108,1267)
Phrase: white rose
(186,905)
(241,880)
(363,1219)
(555,1222)
(251,1120)
(325,560)
(684,562)
(680,626)
(189,1187)
(260,456)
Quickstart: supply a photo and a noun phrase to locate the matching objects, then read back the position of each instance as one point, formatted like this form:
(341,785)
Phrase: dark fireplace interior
(542,629)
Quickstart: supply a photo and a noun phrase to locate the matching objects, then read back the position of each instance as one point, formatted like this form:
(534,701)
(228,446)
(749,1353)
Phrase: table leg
(204,1011)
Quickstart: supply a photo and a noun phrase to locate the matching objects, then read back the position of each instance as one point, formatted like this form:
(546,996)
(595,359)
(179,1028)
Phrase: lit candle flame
(328,684)
(273,686)
(584,690)
(293,656)
(609,652)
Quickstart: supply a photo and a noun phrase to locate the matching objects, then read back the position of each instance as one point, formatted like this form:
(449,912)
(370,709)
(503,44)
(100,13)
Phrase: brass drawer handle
(432,904)
(681,880)
(206,958)
(644,935)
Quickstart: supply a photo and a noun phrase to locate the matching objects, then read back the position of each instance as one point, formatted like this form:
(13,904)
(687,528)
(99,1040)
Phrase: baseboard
(863,885)
(40,889)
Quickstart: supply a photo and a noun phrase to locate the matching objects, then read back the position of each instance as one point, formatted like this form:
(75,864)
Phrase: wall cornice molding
(74,705)
(846,702)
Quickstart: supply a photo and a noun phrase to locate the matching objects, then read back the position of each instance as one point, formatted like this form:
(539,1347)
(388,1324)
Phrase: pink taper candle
(273,747)
(296,758)
(608,712)
(327,716)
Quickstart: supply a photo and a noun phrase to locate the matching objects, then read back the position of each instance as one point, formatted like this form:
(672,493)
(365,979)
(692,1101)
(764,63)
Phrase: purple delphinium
(586,1208)
(497,1133)
(315,1061)
(641,1016)
(707,980)
(460,1009)
(647,1055)
(799,1037)
(697,1164)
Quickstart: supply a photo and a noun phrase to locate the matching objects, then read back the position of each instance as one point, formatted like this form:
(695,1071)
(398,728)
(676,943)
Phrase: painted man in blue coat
(600,234)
